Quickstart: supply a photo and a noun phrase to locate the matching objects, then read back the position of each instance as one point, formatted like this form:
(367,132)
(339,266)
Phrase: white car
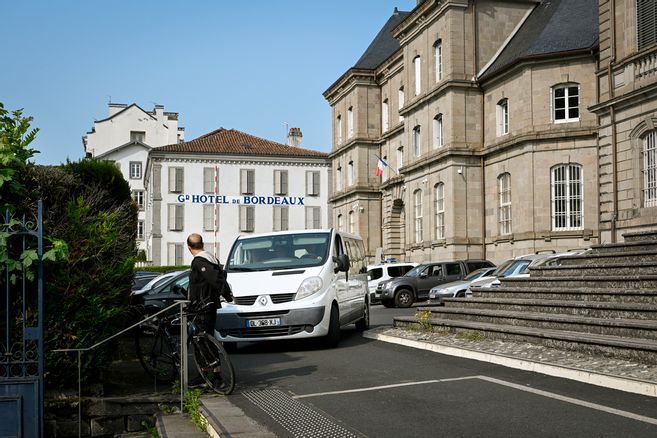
(458,288)
(378,273)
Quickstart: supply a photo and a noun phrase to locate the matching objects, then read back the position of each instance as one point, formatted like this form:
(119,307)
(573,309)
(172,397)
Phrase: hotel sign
(242,200)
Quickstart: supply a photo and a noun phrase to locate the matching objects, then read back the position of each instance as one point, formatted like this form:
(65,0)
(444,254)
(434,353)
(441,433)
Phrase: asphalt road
(375,389)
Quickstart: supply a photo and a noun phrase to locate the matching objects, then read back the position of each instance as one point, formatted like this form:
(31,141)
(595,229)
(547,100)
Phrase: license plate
(263,322)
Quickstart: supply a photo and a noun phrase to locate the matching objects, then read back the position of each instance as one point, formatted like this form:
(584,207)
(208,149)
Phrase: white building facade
(227,183)
(126,137)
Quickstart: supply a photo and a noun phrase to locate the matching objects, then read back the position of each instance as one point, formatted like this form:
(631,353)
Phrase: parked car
(378,273)
(457,289)
(165,291)
(415,284)
(137,296)
(140,279)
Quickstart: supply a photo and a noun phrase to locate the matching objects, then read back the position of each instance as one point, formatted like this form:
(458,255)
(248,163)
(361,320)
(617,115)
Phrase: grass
(471,335)
(424,319)
(192,406)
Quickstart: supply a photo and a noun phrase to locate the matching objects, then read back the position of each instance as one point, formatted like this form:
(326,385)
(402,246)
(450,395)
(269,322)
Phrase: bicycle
(159,352)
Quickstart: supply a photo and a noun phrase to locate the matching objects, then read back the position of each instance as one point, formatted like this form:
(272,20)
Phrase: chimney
(294,137)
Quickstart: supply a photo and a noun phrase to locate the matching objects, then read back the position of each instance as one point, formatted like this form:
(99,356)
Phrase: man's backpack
(222,276)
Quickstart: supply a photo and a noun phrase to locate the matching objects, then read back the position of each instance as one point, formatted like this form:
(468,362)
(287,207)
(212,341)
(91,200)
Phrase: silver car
(457,288)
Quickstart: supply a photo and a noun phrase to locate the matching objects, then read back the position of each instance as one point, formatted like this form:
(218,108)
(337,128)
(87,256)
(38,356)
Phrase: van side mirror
(342,262)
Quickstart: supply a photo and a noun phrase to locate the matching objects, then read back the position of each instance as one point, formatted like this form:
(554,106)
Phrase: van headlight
(308,287)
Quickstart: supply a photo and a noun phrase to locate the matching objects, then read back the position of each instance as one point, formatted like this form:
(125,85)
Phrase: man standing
(207,281)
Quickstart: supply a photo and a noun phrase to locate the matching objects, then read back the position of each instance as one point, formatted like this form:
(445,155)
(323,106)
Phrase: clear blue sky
(249,65)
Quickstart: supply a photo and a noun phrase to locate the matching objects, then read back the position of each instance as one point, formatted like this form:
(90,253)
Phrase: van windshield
(281,251)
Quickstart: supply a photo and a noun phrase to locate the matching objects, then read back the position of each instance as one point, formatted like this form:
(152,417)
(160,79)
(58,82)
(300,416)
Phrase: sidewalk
(598,370)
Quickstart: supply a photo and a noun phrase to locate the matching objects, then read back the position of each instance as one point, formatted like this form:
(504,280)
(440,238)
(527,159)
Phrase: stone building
(627,112)
(480,111)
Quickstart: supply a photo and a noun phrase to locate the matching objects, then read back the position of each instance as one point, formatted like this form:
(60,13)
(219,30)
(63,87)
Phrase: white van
(293,285)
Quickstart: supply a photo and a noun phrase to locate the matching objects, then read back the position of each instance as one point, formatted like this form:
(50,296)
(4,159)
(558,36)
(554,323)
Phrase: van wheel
(364,323)
(404,298)
(333,336)
(388,303)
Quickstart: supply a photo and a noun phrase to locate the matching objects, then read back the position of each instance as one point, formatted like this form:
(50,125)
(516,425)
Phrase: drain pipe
(612,121)
(475,35)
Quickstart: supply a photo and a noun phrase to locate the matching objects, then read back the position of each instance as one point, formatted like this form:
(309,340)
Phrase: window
(312,183)
(400,157)
(338,178)
(280,182)
(350,173)
(138,197)
(375,274)
(650,169)
(208,180)
(247,181)
(208,217)
(174,254)
(176,217)
(417,196)
(417,143)
(502,117)
(646,21)
(140,230)
(438,131)
(313,219)
(417,68)
(400,102)
(339,129)
(567,202)
(565,103)
(176,179)
(139,136)
(340,223)
(247,218)
(281,217)
(350,122)
(438,54)
(504,188)
(135,170)
(384,116)
(453,269)
(439,199)
(352,222)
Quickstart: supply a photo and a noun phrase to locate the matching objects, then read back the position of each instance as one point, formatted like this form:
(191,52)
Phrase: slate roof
(383,45)
(234,142)
(554,26)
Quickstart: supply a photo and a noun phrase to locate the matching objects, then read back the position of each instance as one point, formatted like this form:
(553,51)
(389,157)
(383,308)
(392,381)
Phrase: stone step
(646,329)
(641,236)
(640,350)
(592,309)
(610,269)
(638,282)
(648,297)
(610,257)
(632,246)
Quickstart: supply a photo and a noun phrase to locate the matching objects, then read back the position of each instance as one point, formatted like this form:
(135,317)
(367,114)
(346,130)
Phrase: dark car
(171,288)
(415,285)
(141,278)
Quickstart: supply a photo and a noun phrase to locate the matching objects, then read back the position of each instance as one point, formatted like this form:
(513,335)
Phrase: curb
(227,420)
(609,381)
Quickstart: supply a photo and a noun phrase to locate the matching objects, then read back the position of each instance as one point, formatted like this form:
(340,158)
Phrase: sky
(250,65)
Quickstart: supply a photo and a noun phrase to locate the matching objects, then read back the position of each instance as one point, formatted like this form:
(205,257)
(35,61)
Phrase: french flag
(380,165)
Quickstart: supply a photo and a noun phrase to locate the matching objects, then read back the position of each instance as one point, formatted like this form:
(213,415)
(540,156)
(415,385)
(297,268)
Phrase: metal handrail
(183,355)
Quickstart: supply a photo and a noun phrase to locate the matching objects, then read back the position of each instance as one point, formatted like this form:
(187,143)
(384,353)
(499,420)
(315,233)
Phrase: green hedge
(163,269)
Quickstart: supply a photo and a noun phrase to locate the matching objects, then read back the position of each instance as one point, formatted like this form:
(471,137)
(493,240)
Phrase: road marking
(571,400)
(539,392)
(376,388)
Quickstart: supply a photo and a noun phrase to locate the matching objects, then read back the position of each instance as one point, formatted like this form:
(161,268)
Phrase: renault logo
(263,300)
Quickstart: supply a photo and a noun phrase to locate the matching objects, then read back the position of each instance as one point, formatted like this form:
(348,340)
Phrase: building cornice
(424,13)
(223,159)
(628,99)
(438,90)
(354,191)
(392,132)
(356,142)
(346,82)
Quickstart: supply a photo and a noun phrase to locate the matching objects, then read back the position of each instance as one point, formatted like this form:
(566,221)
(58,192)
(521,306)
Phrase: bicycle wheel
(155,353)
(213,363)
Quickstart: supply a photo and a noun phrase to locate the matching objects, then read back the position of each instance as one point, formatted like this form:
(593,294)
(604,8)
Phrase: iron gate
(21,326)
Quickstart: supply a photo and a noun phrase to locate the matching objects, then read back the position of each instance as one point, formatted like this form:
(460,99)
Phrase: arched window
(438,131)
(339,129)
(504,189)
(567,197)
(417,144)
(650,169)
(384,116)
(340,223)
(400,158)
(565,103)
(350,122)
(350,173)
(338,178)
(352,222)
(438,55)
(503,117)
(417,68)
(439,200)
(417,204)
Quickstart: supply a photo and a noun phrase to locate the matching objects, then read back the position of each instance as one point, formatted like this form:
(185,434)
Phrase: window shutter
(244,181)
(284,182)
(277,182)
(250,181)
(171,217)
(208,180)
(277,218)
(179,254)
(250,217)
(208,217)
(646,20)
(172,180)
(179,217)
(315,183)
(284,218)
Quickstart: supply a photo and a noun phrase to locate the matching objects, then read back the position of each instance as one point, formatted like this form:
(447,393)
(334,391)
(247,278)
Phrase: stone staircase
(603,301)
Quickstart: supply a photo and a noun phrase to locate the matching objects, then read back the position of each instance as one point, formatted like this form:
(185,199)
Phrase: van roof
(282,233)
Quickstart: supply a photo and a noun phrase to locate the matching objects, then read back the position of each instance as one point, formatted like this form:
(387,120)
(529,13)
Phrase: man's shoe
(197,382)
